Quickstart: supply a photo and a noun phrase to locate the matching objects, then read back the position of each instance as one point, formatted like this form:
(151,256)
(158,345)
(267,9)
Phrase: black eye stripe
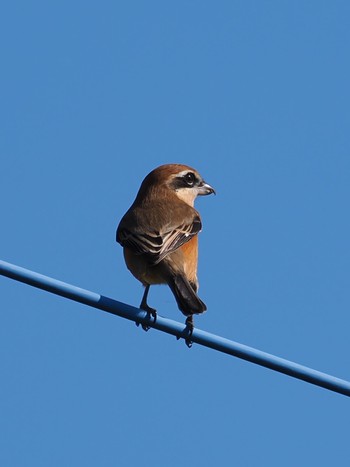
(185,180)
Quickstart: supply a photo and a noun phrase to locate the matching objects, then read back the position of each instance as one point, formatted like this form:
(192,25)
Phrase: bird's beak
(205,189)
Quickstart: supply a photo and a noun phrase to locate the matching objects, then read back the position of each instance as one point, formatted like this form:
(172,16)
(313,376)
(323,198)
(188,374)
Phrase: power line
(175,328)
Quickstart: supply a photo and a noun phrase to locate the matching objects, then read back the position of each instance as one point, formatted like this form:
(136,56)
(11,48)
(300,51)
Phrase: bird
(159,236)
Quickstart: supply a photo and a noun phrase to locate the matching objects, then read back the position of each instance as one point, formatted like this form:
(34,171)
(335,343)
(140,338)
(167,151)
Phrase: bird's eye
(190,178)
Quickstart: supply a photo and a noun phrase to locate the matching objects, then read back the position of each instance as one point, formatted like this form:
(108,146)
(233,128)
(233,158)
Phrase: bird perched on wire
(159,234)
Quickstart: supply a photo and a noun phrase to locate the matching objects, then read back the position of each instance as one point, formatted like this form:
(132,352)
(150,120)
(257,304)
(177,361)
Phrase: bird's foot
(151,313)
(190,326)
(188,331)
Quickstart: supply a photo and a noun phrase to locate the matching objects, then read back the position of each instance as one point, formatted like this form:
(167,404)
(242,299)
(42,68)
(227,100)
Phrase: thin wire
(175,328)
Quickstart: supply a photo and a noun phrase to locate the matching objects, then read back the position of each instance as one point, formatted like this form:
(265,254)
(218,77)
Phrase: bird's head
(183,180)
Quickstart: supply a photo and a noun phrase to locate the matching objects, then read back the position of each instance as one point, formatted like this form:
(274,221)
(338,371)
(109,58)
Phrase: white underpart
(187,194)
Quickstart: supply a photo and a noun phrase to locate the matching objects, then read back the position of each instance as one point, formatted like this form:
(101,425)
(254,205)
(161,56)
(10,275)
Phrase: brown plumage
(159,235)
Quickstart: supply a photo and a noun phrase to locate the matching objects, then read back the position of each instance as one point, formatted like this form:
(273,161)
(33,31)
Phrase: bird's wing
(156,245)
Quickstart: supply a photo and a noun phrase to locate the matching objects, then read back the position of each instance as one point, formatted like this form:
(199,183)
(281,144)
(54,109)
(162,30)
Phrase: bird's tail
(187,299)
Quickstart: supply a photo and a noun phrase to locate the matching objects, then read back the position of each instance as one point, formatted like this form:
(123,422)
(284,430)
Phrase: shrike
(159,235)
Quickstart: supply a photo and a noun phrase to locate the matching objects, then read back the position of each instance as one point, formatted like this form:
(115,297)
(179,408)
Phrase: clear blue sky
(256,96)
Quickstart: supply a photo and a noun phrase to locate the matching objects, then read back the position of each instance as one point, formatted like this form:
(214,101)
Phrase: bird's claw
(189,343)
(151,313)
(188,331)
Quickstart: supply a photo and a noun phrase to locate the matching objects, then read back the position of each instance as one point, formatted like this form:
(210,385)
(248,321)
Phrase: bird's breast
(141,269)
(190,255)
